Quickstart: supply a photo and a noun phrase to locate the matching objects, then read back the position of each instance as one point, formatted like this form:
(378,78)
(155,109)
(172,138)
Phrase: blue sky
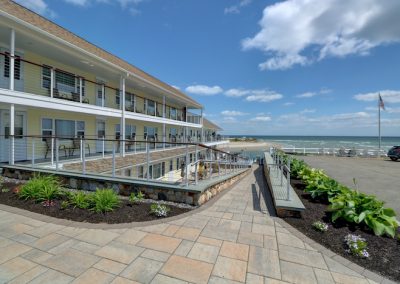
(263,67)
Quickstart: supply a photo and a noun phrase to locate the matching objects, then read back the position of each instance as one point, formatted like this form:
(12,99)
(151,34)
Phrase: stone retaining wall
(126,188)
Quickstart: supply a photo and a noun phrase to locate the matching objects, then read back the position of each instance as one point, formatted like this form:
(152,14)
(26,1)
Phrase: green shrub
(136,198)
(79,199)
(64,205)
(355,207)
(41,188)
(104,200)
(159,210)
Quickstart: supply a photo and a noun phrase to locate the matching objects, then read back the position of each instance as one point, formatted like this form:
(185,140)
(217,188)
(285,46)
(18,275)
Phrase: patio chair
(352,153)
(76,145)
(48,147)
(75,97)
(342,152)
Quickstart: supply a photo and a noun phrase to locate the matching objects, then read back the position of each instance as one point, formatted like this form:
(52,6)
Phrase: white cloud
(128,5)
(38,6)
(235,9)
(288,104)
(204,90)
(390,96)
(229,119)
(264,96)
(300,32)
(307,95)
(261,119)
(308,110)
(237,93)
(233,113)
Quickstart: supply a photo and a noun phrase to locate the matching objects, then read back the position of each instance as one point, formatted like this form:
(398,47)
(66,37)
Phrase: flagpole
(379,124)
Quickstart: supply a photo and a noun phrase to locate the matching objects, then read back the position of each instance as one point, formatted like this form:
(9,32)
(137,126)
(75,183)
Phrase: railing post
(187,166)
(104,147)
(57,153)
(288,180)
(196,178)
(52,150)
(148,160)
(113,159)
(33,152)
(83,157)
(81,147)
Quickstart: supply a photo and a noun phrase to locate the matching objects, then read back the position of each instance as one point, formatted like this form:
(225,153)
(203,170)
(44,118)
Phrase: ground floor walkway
(379,177)
(234,239)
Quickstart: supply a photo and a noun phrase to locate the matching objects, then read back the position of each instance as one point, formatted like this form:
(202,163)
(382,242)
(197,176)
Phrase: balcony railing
(171,162)
(44,80)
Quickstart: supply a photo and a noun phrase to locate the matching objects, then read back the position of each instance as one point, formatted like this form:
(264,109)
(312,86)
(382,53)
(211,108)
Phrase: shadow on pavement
(264,195)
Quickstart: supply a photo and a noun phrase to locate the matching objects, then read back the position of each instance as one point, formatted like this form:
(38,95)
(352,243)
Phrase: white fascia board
(26,99)
(129,73)
(31,100)
(155,119)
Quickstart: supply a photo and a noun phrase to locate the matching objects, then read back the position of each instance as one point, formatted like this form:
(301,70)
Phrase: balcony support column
(122,96)
(80,89)
(12,140)
(164,127)
(52,82)
(12,59)
(202,127)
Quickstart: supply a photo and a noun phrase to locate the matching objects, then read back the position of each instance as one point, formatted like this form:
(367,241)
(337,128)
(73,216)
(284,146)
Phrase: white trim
(26,99)
(30,26)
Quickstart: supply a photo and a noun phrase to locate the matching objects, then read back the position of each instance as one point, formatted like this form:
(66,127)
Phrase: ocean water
(358,142)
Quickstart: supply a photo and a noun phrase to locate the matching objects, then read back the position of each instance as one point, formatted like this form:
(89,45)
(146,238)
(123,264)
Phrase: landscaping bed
(125,212)
(384,252)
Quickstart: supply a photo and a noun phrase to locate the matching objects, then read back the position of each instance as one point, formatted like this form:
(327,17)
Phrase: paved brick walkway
(233,240)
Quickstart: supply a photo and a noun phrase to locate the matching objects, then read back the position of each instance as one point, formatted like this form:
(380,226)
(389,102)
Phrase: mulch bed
(384,251)
(125,213)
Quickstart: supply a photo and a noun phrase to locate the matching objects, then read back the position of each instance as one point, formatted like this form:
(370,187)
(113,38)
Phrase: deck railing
(171,162)
(340,152)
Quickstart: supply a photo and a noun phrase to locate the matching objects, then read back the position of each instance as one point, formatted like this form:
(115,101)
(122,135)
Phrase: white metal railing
(104,156)
(282,168)
(341,152)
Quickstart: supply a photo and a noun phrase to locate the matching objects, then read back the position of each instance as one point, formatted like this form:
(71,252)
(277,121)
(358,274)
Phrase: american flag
(381,104)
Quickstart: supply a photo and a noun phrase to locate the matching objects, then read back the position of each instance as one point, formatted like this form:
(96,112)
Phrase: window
(18,126)
(140,172)
(78,87)
(65,82)
(173,113)
(150,108)
(65,128)
(117,97)
(156,171)
(178,163)
(117,131)
(127,172)
(171,165)
(130,131)
(80,129)
(129,102)
(46,77)
(47,127)
(17,66)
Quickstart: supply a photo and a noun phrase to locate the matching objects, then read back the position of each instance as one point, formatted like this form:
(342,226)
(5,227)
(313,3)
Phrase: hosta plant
(356,245)
(159,210)
(355,207)
(320,226)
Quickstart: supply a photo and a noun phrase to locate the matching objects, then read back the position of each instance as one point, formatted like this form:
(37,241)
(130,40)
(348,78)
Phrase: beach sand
(250,146)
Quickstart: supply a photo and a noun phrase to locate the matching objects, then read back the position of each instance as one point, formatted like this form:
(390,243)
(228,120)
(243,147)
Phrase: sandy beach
(251,146)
